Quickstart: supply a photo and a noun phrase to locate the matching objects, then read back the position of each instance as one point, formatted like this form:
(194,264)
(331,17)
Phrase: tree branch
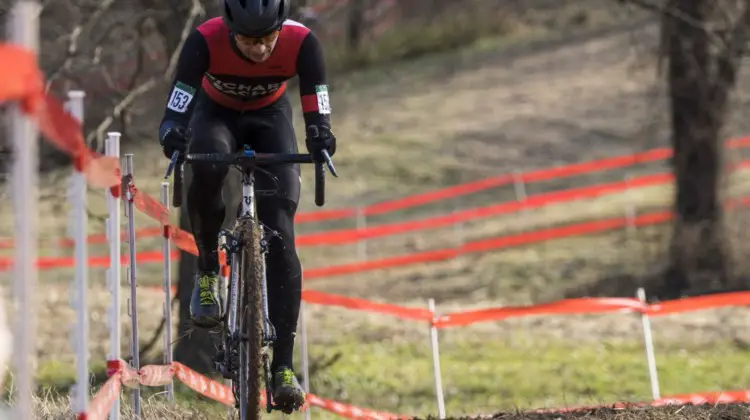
(120,107)
(674,13)
(195,11)
(72,50)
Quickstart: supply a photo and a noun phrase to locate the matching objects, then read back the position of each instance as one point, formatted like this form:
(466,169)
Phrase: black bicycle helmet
(255,18)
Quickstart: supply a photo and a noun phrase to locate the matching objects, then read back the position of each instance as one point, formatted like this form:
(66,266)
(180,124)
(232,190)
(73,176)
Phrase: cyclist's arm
(192,64)
(313,89)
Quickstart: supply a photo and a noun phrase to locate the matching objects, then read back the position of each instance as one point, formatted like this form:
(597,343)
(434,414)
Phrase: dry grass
(51,408)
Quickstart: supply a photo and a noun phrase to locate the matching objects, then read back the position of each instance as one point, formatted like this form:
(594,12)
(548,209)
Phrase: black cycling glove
(320,138)
(174,139)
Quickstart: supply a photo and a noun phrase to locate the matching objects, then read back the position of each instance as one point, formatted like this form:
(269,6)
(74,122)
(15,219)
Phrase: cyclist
(230,89)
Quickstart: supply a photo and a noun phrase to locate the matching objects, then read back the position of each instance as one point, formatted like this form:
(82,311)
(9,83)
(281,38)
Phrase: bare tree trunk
(702,70)
(355,26)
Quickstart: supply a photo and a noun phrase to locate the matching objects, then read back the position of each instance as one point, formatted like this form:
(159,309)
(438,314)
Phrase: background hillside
(473,89)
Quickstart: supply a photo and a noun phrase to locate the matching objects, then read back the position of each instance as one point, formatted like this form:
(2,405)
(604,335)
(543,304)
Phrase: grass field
(517,369)
(500,110)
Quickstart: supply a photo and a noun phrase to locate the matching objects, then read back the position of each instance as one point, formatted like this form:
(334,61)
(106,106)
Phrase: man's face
(257,49)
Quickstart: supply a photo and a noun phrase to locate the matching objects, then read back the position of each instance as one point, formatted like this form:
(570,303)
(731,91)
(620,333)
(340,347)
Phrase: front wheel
(251,326)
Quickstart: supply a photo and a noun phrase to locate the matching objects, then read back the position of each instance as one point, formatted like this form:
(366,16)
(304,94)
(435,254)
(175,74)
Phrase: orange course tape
(104,399)
(338,237)
(537,175)
(561,307)
(574,306)
(536,201)
(701,398)
(314,296)
(21,79)
(47,263)
(159,375)
(185,242)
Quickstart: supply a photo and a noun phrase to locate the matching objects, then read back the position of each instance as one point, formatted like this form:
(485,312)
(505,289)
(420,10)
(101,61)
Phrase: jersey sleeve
(313,89)
(193,62)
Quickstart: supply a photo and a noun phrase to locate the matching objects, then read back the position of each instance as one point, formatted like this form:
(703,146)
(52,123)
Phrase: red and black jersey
(210,61)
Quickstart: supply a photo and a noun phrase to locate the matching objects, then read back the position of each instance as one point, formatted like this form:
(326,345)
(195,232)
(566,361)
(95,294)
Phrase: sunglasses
(265,39)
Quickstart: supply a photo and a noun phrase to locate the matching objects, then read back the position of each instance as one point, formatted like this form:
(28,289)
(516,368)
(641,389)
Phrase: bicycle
(248,334)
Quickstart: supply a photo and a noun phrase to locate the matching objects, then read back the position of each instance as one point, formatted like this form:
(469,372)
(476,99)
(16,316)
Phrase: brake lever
(172,163)
(329,163)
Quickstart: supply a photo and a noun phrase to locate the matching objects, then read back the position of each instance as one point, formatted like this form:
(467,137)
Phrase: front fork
(229,246)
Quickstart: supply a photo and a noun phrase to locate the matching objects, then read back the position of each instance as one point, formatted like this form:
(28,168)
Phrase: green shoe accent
(206,284)
(288,395)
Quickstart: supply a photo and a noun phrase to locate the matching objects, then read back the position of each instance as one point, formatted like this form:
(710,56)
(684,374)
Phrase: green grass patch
(372,362)
(489,376)
(481,376)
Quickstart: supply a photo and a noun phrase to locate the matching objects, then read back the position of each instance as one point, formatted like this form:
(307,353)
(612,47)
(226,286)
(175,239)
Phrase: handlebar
(249,159)
(176,196)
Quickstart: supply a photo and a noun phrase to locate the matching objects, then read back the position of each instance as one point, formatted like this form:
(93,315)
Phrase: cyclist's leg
(271,131)
(210,132)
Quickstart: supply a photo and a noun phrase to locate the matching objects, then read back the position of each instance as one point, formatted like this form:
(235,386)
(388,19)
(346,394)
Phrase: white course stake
(166,251)
(23,30)
(112,149)
(436,362)
(130,212)
(79,297)
(648,342)
(305,356)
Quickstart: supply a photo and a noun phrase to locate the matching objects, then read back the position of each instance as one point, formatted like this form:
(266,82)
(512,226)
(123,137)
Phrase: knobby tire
(252,328)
